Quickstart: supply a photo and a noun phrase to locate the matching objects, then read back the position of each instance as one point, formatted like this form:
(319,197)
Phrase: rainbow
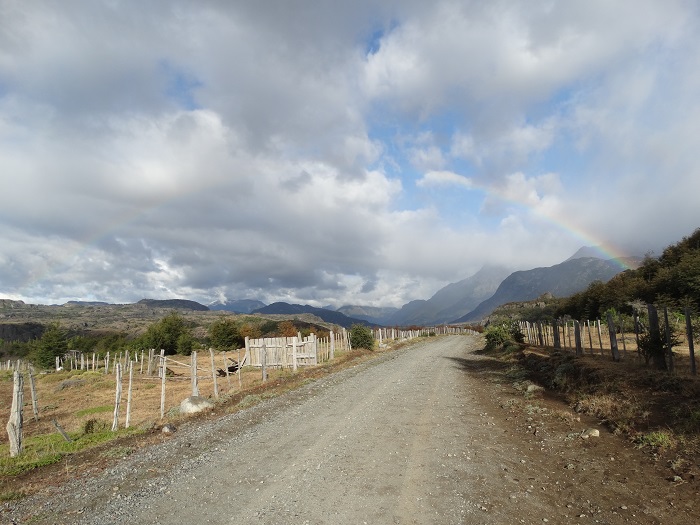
(448,178)
(606,250)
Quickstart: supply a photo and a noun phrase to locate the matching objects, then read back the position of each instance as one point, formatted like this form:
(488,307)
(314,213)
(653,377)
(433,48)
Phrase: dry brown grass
(75,397)
(655,409)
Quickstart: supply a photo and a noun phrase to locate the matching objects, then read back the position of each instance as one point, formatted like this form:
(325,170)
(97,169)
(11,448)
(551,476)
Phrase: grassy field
(82,402)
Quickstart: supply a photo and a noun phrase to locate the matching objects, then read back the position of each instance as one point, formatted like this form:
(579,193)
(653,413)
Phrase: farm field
(77,396)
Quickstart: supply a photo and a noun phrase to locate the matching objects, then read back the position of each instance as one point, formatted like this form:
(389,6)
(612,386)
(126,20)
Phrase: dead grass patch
(656,410)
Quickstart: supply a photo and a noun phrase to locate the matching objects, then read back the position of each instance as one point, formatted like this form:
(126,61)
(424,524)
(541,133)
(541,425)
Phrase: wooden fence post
(162,384)
(622,336)
(332,337)
(63,433)
(117,397)
(228,373)
(128,393)
(14,425)
(240,383)
(32,390)
(213,374)
(193,369)
(577,338)
(613,338)
(655,336)
(669,348)
(600,336)
(555,334)
(691,343)
(590,337)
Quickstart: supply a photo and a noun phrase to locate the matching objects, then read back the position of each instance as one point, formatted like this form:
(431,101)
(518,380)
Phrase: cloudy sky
(336,152)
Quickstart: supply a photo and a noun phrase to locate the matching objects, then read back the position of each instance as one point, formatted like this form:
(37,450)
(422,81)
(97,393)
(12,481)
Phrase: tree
(165,334)
(251,330)
(224,334)
(185,343)
(53,343)
(287,329)
(361,337)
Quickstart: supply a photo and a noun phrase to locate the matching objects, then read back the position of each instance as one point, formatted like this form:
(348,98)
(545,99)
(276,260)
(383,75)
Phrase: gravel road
(408,437)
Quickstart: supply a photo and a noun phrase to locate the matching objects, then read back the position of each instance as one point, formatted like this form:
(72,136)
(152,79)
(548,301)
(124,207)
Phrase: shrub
(93,426)
(499,335)
(172,334)
(656,439)
(361,337)
(225,335)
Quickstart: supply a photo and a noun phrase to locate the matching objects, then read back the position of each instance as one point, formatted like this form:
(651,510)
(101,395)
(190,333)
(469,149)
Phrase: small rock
(590,433)
(194,404)
(168,428)
(677,479)
(532,389)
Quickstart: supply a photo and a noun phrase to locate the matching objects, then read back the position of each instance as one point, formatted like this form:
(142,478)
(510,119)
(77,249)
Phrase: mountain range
(328,316)
(452,301)
(561,280)
(469,300)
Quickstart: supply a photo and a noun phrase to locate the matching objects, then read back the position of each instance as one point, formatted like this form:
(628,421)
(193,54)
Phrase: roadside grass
(38,451)
(94,410)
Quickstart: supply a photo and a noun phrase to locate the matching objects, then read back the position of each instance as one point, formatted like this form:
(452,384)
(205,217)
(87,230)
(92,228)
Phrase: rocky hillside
(560,280)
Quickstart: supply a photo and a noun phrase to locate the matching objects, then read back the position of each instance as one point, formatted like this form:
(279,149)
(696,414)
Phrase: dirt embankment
(432,433)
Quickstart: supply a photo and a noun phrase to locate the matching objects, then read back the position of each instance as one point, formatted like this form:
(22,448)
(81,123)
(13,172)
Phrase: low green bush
(361,337)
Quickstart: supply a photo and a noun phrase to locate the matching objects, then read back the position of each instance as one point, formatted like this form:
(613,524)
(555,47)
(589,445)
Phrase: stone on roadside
(590,433)
(194,404)
(168,428)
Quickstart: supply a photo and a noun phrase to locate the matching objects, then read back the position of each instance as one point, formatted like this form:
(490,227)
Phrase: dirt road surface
(431,433)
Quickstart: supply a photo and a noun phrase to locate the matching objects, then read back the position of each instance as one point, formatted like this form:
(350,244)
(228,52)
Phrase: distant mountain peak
(239,306)
(589,251)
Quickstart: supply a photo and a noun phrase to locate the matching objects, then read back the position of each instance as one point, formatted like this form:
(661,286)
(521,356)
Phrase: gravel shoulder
(430,433)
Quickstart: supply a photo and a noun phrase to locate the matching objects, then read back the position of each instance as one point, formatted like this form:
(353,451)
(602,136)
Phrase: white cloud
(511,146)
(261,151)
(443,178)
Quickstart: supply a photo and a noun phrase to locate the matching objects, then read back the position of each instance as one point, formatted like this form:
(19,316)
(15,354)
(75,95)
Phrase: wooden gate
(282,352)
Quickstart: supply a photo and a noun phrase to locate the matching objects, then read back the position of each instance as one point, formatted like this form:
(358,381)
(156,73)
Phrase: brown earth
(436,432)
